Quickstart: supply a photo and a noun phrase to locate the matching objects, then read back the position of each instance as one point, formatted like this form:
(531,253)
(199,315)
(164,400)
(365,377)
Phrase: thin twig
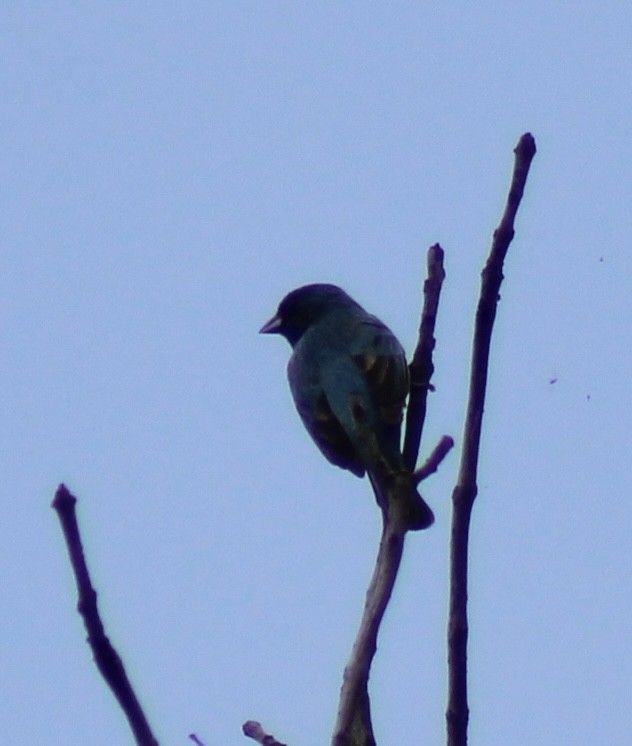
(253,730)
(196,740)
(421,366)
(464,493)
(107,659)
(432,463)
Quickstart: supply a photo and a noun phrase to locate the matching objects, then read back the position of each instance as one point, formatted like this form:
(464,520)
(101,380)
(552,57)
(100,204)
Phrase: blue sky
(168,174)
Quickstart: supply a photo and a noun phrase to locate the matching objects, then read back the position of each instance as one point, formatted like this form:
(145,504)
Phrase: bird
(349,380)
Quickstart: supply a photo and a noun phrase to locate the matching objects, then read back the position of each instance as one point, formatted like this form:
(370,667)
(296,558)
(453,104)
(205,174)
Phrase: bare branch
(107,659)
(253,730)
(466,488)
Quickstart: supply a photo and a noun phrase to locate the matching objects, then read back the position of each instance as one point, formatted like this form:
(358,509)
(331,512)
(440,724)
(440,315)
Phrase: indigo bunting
(349,379)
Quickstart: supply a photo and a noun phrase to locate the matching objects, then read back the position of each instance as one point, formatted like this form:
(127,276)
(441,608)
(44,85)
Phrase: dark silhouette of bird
(349,379)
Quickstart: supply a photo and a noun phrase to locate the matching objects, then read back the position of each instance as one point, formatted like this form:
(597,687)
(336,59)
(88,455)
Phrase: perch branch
(106,658)
(464,493)
(353,724)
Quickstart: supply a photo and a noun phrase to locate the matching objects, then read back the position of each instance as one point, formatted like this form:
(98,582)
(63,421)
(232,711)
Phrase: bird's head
(303,307)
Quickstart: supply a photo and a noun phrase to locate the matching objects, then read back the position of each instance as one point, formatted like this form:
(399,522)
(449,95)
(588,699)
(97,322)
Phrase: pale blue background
(169,171)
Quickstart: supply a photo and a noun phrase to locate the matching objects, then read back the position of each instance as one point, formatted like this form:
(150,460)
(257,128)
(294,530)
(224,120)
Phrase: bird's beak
(271,327)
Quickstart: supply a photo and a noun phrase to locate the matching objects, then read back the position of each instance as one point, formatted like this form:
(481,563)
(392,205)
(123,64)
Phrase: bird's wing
(364,393)
(382,362)
(321,423)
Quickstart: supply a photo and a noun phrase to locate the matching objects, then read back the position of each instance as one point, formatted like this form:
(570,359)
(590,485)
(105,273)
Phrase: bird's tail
(398,496)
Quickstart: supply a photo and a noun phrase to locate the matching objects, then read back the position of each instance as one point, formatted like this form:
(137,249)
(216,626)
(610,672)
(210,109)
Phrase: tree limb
(464,493)
(105,656)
